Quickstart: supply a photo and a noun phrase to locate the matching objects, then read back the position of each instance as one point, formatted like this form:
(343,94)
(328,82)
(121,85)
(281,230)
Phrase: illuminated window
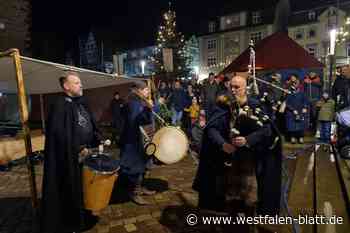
(211,60)
(348,49)
(312,15)
(211,44)
(231,21)
(312,49)
(256,36)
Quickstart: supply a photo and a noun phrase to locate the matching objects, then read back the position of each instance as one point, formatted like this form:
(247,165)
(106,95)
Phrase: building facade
(15,25)
(310,28)
(95,52)
(229,35)
(138,62)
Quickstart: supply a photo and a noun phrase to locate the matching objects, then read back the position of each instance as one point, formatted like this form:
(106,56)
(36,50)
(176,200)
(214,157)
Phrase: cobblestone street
(174,200)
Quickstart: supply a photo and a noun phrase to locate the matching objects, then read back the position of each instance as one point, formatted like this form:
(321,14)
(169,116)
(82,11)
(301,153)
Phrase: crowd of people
(235,131)
(301,106)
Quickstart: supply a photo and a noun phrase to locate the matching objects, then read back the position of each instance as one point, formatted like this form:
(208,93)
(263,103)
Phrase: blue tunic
(133,160)
(296,101)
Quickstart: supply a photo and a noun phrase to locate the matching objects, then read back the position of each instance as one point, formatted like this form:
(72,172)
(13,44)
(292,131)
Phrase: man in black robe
(216,148)
(255,174)
(71,129)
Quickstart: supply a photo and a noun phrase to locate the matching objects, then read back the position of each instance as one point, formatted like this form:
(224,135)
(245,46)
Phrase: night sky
(131,23)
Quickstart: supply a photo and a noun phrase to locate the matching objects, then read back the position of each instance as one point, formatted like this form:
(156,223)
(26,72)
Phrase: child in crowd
(326,114)
(194,110)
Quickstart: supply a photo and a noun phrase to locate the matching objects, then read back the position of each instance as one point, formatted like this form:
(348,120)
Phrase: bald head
(71,84)
(239,86)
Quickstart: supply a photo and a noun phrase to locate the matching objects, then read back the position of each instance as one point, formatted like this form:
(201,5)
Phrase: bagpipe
(255,116)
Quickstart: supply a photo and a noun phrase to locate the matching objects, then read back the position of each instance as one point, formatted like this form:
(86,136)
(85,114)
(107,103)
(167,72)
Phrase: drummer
(132,158)
(71,129)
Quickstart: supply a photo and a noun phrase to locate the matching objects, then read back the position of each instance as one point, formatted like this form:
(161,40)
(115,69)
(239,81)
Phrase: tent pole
(23,107)
(42,114)
(150,88)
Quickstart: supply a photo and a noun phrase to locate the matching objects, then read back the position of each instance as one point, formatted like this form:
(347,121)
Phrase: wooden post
(23,107)
(150,89)
(42,113)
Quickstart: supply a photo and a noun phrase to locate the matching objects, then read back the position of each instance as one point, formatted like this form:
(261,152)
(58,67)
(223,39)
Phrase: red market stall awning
(276,51)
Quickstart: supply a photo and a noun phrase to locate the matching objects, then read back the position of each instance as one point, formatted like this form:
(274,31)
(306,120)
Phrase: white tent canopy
(41,77)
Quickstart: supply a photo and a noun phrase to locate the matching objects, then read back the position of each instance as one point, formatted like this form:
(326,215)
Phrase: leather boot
(145,191)
(135,196)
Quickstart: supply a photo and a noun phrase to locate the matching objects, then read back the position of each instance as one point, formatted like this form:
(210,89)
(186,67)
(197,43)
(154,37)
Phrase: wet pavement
(169,210)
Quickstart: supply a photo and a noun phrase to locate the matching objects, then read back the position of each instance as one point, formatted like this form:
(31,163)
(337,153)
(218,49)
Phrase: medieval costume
(132,157)
(254,175)
(296,115)
(70,128)
(209,180)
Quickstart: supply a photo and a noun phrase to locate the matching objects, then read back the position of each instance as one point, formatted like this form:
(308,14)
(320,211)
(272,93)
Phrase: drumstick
(103,143)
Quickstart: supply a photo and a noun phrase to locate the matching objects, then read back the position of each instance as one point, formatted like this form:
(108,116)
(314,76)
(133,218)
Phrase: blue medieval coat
(132,158)
(296,101)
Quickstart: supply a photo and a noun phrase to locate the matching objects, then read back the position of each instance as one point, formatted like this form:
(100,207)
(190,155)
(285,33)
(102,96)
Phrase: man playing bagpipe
(240,159)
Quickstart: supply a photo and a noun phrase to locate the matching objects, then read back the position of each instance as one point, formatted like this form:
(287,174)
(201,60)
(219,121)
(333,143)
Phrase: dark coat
(117,110)
(296,101)
(209,180)
(133,160)
(164,92)
(341,92)
(62,198)
(178,99)
(210,92)
(263,156)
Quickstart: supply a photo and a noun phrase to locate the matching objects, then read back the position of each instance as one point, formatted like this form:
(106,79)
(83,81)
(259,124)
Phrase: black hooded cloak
(62,197)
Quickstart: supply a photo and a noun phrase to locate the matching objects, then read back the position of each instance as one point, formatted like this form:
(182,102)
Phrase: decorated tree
(343,34)
(170,57)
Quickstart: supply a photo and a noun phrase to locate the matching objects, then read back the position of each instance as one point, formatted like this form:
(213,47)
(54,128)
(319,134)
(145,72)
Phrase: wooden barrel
(98,184)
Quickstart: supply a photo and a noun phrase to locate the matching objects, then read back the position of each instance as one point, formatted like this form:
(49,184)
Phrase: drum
(171,145)
(343,117)
(99,176)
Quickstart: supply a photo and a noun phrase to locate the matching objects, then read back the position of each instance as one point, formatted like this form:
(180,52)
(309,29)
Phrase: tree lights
(168,39)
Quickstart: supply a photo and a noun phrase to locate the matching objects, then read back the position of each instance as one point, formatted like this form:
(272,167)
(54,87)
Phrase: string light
(167,37)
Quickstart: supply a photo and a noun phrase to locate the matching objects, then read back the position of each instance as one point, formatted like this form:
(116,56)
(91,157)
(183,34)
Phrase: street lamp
(196,70)
(2,26)
(333,37)
(332,40)
(143,64)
